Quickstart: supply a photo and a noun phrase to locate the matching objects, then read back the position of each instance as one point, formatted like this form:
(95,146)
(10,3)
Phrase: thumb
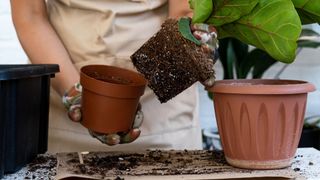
(131,136)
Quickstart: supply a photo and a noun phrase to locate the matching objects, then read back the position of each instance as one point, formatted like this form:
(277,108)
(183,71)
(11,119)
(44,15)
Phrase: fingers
(72,102)
(130,136)
(209,82)
(207,34)
(114,139)
(74,113)
(138,118)
(111,139)
(204,28)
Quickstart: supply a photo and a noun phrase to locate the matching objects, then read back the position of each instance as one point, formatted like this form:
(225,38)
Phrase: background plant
(238,60)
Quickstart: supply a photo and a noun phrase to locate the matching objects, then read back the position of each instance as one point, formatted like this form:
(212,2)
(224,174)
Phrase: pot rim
(262,86)
(132,90)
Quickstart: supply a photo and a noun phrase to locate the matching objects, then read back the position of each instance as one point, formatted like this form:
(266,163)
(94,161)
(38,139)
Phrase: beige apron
(108,32)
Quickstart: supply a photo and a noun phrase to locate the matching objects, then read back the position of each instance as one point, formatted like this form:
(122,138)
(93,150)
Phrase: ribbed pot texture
(260,121)
(110,97)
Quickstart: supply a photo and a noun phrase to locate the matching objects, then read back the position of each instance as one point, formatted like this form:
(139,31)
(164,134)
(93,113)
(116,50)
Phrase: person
(75,33)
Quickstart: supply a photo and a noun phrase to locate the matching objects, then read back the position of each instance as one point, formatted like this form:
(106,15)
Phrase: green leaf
(227,11)
(210,95)
(225,58)
(305,17)
(309,10)
(263,62)
(191,4)
(240,50)
(273,26)
(257,60)
(184,28)
(202,10)
(250,60)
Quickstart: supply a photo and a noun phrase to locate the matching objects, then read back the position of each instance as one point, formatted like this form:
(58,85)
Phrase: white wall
(10,49)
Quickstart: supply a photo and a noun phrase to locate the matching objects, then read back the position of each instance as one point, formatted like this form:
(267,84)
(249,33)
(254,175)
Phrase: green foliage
(184,28)
(224,13)
(203,9)
(309,10)
(238,61)
(272,26)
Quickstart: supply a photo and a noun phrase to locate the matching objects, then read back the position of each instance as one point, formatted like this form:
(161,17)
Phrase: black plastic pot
(24,111)
(310,137)
(2,148)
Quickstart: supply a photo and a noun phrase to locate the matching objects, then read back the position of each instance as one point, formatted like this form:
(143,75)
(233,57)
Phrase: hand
(72,102)
(207,35)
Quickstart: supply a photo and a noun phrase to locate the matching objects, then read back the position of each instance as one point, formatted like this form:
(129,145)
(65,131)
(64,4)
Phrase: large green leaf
(309,10)
(202,10)
(226,11)
(273,26)
(240,51)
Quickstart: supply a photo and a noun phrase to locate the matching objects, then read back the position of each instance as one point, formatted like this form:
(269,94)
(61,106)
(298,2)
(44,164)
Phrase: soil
(156,162)
(44,166)
(172,63)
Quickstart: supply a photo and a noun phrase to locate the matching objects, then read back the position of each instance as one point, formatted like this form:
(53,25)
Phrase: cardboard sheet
(158,165)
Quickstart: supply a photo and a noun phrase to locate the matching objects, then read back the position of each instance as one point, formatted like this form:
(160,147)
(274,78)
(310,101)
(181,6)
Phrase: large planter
(260,121)
(110,97)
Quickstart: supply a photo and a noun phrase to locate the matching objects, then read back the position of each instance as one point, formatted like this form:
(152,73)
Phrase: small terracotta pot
(110,97)
(260,121)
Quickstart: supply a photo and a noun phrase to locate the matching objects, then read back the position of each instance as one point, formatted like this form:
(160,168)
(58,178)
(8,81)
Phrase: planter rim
(134,89)
(262,86)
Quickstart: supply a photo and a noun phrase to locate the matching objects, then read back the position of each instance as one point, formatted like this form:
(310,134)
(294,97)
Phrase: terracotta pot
(110,97)
(260,121)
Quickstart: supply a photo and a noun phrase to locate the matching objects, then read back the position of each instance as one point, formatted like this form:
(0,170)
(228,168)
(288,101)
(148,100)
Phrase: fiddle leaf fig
(202,10)
(309,10)
(273,26)
(227,11)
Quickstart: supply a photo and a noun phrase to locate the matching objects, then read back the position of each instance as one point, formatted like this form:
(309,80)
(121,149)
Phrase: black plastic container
(310,137)
(24,113)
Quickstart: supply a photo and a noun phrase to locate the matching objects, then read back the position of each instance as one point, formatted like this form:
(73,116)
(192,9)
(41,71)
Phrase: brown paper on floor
(158,164)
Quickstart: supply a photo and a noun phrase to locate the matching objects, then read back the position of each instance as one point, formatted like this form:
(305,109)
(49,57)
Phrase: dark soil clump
(172,63)
(43,167)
